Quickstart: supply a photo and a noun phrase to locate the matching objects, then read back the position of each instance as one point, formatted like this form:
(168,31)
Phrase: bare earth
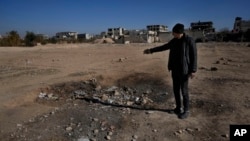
(114,92)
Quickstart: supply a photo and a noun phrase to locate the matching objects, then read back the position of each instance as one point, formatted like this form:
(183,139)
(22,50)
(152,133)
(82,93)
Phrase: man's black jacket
(188,54)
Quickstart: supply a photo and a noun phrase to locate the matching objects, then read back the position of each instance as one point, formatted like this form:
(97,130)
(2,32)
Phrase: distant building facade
(66,35)
(85,36)
(154,32)
(43,36)
(202,26)
(241,25)
(115,32)
(157,28)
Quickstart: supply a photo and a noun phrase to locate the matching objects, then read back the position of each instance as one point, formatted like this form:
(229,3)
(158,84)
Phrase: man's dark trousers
(180,86)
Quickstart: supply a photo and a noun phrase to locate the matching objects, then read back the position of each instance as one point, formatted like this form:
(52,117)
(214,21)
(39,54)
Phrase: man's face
(177,35)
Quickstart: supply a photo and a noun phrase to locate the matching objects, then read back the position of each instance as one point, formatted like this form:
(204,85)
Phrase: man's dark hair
(178,28)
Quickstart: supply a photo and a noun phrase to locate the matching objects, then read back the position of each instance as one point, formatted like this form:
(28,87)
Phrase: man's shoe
(176,111)
(183,115)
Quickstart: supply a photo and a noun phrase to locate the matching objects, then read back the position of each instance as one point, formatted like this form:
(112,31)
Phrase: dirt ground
(99,92)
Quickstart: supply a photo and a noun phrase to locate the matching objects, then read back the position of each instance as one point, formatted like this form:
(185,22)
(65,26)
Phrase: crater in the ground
(139,90)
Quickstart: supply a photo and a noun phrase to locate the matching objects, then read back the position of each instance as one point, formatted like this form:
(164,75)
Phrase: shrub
(12,39)
(30,39)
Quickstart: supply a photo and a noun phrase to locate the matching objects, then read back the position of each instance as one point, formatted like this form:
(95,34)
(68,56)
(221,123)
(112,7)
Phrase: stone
(189,130)
(19,125)
(149,112)
(80,92)
(69,129)
(198,129)
(122,59)
(225,136)
(42,95)
(95,119)
(98,88)
(137,99)
(110,133)
(112,127)
(179,131)
(116,93)
(50,96)
(222,58)
(147,92)
(110,101)
(105,97)
(129,103)
(155,130)
(108,137)
(226,63)
(111,89)
(96,131)
(135,137)
(32,120)
(83,139)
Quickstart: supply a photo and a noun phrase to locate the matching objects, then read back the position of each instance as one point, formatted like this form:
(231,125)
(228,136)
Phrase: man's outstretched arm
(158,49)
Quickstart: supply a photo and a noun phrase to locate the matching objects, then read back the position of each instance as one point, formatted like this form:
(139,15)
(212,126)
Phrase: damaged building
(240,31)
(202,26)
(202,31)
(150,35)
(115,33)
(156,33)
(241,25)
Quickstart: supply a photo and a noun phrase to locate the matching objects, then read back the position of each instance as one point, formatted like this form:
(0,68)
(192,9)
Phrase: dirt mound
(104,40)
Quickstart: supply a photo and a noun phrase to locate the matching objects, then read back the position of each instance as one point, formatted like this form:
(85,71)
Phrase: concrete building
(207,27)
(154,31)
(115,33)
(165,37)
(84,36)
(66,35)
(43,36)
(157,28)
(241,25)
(136,36)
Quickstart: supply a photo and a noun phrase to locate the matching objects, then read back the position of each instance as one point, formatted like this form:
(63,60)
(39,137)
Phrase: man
(182,63)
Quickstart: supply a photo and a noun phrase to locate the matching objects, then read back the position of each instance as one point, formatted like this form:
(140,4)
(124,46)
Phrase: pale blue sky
(95,16)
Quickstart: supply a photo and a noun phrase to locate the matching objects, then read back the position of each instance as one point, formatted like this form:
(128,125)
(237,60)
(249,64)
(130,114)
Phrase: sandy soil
(119,75)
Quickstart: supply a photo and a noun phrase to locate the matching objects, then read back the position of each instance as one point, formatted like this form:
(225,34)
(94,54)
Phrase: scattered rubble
(46,96)
(90,90)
